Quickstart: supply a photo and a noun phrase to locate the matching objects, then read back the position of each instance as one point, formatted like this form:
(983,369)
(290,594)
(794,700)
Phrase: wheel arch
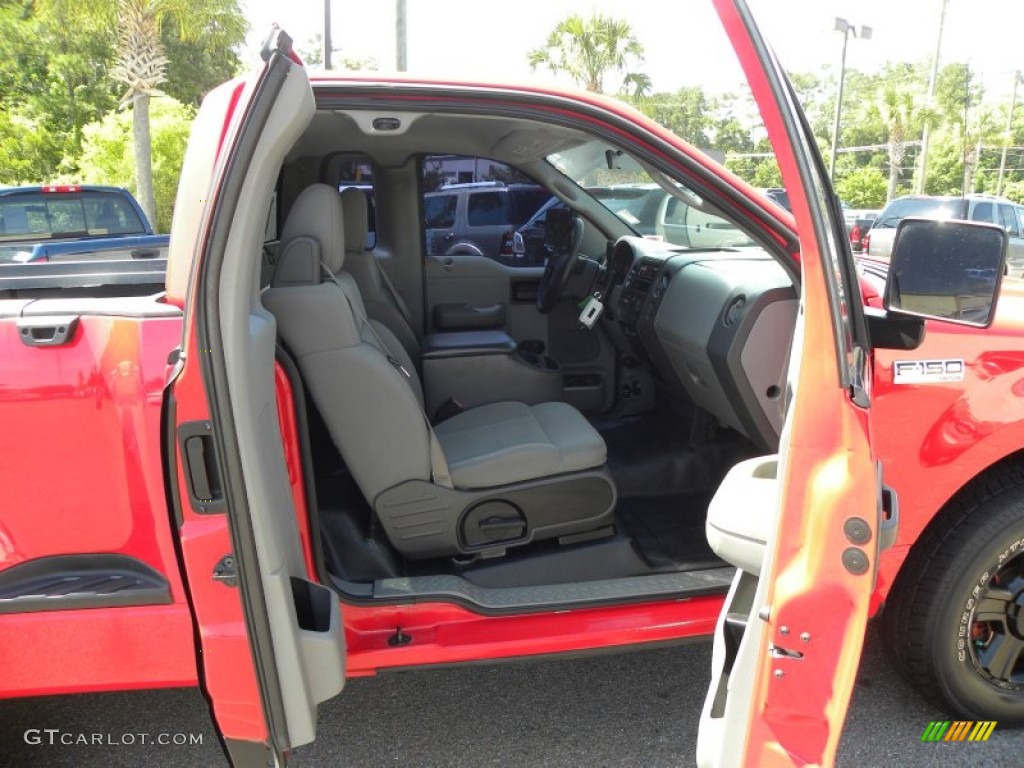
(990,481)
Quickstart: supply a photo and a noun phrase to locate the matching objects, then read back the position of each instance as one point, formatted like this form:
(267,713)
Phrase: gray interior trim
(577,595)
(303,620)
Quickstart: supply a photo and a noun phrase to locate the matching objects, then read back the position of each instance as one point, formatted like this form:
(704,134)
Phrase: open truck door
(801,527)
(271,640)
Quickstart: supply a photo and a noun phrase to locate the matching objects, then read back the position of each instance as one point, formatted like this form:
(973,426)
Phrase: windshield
(926,208)
(624,187)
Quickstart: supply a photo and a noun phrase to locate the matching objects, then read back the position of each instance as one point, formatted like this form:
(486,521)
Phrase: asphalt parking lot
(635,709)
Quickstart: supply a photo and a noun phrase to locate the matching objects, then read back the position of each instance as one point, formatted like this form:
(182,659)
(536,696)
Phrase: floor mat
(668,531)
(648,457)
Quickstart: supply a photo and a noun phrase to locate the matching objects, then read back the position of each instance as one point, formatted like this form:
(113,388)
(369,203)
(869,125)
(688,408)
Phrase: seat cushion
(509,442)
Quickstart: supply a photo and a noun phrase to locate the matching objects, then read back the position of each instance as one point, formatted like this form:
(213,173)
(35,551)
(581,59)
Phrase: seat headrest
(317,215)
(353,201)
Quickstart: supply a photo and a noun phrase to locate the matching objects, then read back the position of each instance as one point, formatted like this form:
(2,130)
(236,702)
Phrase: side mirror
(946,270)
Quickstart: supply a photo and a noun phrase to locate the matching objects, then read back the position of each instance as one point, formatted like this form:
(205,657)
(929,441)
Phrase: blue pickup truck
(74,223)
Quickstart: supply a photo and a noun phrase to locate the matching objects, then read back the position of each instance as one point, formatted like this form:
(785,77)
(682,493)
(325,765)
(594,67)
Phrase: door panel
(789,637)
(245,550)
(586,357)
(788,645)
(477,281)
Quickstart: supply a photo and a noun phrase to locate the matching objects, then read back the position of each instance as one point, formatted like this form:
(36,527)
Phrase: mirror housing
(946,270)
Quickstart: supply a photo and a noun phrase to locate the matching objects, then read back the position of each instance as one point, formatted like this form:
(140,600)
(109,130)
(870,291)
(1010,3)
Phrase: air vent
(734,312)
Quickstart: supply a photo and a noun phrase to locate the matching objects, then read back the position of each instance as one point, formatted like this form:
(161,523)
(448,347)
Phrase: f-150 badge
(927,371)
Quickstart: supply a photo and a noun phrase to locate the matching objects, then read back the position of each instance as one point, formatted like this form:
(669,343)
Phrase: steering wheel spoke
(557,270)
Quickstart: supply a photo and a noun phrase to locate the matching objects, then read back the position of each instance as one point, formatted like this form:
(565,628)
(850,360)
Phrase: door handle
(47,331)
(202,476)
(449,264)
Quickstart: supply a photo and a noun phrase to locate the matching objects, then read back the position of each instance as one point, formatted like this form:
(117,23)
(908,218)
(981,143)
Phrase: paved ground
(638,709)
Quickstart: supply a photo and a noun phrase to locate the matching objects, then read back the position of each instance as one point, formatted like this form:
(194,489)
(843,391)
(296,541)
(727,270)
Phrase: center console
(478,367)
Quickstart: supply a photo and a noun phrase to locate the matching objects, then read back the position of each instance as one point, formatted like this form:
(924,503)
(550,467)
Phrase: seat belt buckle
(398,366)
(450,407)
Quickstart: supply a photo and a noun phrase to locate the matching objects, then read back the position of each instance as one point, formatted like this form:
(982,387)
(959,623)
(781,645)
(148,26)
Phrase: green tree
(902,116)
(588,49)
(767,173)
(52,83)
(684,112)
(863,188)
(197,63)
(957,92)
(1015,191)
(108,157)
(141,60)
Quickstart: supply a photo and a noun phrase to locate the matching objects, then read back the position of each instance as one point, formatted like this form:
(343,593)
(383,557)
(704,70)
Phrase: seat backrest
(364,268)
(372,410)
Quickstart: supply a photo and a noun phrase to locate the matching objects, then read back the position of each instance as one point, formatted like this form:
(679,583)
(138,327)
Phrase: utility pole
(968,170)
(926,134)
(1009,135)
(400,37)
(842,25)
(327,34)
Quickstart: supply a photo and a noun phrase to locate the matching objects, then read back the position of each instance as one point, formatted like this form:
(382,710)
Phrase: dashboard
(715,325)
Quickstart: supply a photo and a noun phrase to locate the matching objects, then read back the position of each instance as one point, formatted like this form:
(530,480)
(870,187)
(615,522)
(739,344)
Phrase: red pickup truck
(302,461)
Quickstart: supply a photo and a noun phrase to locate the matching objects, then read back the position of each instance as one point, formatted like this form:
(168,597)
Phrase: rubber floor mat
(668,531)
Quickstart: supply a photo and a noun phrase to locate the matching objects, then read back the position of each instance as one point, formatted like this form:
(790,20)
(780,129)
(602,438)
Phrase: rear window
(924,208)
(56,215)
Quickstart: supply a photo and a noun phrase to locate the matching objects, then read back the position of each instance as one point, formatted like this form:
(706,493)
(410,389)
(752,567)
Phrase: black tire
(954,622)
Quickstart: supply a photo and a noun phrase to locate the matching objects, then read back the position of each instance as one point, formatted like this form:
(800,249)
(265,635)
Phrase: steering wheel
(559,267)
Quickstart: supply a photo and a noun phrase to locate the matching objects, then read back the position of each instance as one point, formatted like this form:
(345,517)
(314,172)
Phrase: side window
(982,212)
(439,211)
(476,206)
(487,209)
(1008,220)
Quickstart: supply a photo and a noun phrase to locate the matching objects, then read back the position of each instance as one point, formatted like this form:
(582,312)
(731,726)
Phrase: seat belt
(403,308)
(439,471)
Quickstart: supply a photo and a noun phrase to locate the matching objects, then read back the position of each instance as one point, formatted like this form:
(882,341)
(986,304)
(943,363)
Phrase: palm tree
(588,49)
(901,117)
(141,64)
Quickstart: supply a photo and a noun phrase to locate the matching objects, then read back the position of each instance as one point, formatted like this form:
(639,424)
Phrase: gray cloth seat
(382,301)
(509,442)
(491,477)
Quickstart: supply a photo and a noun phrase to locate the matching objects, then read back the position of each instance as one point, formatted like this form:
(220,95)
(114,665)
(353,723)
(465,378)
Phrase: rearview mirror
(946,270)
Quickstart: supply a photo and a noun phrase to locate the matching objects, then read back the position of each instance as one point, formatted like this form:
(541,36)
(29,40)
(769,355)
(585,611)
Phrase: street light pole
(327,34)
(926,133)
(842,25)
(401,40)
(1009,134)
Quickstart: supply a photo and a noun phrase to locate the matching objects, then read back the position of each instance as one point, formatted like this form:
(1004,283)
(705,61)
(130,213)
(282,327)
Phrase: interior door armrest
(464,317)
